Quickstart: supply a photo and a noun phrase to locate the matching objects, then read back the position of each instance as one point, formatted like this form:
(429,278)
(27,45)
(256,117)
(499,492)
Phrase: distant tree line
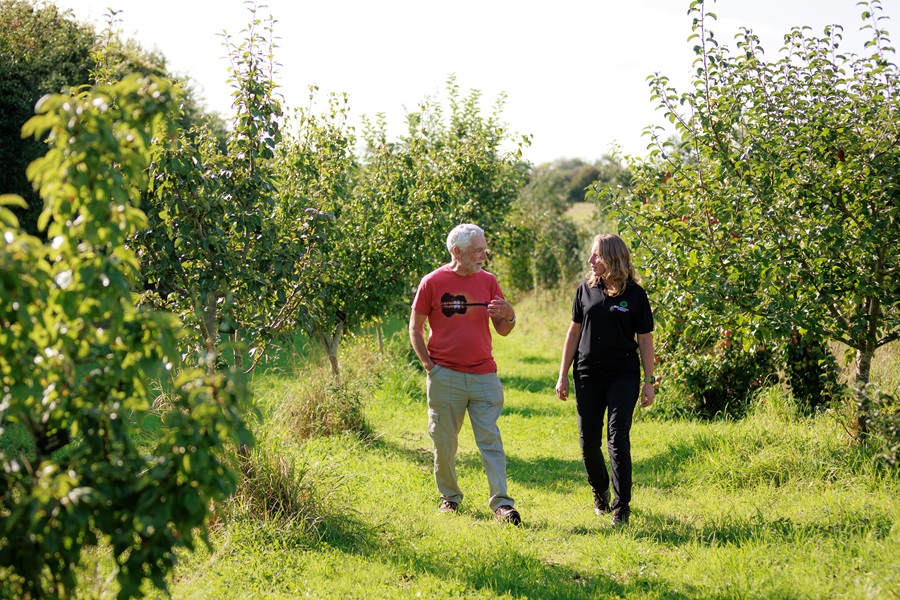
(547,243)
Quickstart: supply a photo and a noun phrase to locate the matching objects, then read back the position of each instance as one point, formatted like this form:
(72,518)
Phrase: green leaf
(12,200)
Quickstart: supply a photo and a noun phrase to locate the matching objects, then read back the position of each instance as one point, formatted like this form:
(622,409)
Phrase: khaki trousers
(450,395)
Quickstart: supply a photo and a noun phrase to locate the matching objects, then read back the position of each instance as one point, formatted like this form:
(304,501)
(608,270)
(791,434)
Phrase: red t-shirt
(456,307)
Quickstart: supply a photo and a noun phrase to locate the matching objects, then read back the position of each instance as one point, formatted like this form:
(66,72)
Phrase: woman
(611,324)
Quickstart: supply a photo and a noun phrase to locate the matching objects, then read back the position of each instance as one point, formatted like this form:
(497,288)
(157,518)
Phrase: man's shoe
(621,514)
(449,506)
(601,503)
(509,514)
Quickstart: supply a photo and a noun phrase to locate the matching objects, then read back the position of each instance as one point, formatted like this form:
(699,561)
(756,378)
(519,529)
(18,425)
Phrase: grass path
(770,507)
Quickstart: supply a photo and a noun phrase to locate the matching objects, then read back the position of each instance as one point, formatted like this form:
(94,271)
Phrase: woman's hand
(648,393)
(562,387)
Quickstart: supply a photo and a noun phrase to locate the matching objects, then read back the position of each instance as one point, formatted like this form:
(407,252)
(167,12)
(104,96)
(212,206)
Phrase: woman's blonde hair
(615,256)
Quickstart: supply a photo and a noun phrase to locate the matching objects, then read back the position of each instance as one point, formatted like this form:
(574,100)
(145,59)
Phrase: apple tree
(394,206)
(223,249)
(81,468)
(316,162)
(781,211)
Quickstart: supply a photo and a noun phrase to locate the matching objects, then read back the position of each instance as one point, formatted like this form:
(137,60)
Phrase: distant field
(583,213)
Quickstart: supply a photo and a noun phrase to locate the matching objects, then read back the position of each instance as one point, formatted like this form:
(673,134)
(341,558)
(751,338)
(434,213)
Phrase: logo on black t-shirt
(621,307)
(456,305)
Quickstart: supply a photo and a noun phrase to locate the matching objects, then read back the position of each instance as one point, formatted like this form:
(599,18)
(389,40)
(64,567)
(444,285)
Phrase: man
(458,300)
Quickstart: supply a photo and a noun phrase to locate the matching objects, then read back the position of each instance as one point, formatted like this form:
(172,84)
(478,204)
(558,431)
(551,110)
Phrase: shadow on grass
(545,472)
(422,456)
(662,470)
(529,384)
(349,533)
(537,360)
(549,410)
(727,530)
(511,573)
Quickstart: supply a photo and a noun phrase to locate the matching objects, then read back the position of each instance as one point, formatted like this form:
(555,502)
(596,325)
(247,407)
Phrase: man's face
(474,256)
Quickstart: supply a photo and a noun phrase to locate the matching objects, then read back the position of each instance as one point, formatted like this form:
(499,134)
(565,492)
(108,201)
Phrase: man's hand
(500,308)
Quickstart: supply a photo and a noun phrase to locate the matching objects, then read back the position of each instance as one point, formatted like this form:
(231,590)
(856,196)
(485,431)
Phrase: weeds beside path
(774,506)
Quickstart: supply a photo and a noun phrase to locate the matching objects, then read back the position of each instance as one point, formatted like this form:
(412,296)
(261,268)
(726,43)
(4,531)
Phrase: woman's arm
(645,345)
(568,355)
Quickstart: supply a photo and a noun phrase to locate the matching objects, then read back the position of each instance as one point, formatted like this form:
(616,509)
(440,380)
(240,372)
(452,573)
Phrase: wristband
(649,379)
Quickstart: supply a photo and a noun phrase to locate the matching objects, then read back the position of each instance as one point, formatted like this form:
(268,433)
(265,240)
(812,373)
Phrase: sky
(574,72)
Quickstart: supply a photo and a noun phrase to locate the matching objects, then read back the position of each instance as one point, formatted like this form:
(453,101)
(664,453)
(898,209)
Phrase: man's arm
(417,339)
(502,315)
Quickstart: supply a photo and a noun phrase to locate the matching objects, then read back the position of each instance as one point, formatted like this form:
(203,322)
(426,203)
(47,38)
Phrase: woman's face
(599,269)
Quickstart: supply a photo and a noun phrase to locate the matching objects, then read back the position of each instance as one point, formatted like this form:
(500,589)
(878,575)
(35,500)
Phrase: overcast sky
(574,71)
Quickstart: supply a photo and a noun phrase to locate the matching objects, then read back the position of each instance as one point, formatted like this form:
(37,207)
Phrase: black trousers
(616,396)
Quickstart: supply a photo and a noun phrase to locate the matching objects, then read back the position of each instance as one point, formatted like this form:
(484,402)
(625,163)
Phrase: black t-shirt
(608,345)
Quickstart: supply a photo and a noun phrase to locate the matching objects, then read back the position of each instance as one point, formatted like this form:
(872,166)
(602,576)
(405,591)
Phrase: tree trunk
(238,351)
(561,273)
(243,449)
(863,367)
(865,352)
(210,329)
(332,347)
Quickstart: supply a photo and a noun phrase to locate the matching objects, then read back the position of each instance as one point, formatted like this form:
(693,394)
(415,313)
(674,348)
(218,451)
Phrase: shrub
(275,486)
(722,380)
(811,371)
(77,358)
(322,406)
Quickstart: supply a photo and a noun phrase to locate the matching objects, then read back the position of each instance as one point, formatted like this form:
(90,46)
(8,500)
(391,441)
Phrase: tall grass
(776,505)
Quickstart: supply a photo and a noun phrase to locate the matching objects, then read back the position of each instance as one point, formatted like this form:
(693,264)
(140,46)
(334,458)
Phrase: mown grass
(773,506)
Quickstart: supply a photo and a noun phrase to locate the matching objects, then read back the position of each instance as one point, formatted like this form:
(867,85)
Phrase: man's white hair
(461,236)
